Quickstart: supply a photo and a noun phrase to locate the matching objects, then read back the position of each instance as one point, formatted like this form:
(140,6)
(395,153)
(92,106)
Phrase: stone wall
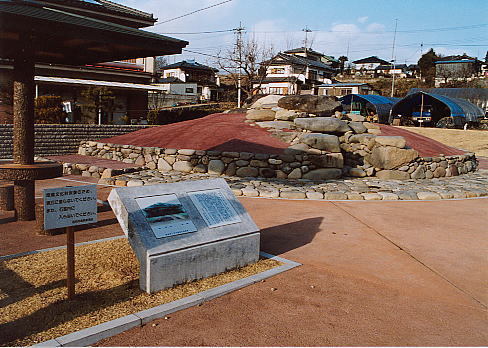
(292,165)
(61,139)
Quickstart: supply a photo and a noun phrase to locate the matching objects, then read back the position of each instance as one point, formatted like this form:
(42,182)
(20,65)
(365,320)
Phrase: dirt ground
(471,140)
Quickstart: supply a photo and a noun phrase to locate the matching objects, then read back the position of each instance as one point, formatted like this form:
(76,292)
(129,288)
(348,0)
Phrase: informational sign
(70,206)
(166,215)
(214,207)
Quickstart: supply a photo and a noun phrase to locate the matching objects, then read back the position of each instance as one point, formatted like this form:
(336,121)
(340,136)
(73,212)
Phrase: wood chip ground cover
(33,308)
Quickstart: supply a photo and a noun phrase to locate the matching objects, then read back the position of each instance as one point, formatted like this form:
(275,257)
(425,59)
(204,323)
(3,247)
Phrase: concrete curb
(96,333)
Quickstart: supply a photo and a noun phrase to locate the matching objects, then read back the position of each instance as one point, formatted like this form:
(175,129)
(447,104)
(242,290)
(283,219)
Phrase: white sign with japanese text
(70,206)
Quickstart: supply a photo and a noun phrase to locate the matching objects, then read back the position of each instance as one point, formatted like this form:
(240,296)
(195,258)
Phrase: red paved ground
(425,146)
(99,162)
(221,132)
(374,273)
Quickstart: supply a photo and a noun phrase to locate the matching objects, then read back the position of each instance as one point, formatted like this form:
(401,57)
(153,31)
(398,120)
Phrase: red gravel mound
(426,147)
(220,132)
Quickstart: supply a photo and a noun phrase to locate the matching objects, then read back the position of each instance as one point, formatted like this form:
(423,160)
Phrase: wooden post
(70,253)
(23,147)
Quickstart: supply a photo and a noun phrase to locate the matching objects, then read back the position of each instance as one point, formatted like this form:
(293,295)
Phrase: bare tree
(160,62)
(247,63)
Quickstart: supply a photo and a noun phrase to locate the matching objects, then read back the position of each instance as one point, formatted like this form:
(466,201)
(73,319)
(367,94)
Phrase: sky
(353,28)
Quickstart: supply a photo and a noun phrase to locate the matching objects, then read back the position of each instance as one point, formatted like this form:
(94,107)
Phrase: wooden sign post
(65,207)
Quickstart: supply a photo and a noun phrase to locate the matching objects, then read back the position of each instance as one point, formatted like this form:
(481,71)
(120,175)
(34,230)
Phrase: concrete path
(374,273)
(390,273)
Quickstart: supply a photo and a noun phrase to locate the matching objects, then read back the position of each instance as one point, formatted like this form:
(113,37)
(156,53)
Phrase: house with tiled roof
(295,71)
(368,65)
(192,72)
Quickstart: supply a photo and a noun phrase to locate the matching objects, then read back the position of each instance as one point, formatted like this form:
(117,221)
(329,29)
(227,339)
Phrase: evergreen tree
(427,65)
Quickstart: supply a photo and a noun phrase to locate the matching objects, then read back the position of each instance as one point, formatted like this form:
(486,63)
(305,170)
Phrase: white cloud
(363,19)
(375,27)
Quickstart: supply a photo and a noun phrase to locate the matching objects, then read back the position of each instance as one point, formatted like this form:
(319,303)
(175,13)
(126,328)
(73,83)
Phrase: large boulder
(389,157)
(323,174)
(276,124)
(326,142)
(260,115)
(358,127)
(323,124)
(395,141)
(287,115)
(268,102)
(330,160)
(319,105)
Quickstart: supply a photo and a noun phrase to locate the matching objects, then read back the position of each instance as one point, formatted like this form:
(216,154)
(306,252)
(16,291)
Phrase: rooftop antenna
(393,59)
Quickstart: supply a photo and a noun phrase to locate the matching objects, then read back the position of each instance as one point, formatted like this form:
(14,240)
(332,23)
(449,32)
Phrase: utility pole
(238,31)
(306,30)
(393,59)
(421,53)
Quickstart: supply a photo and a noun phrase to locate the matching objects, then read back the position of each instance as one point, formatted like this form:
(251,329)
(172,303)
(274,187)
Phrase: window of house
(278,70)
(312,75)
(325,92)
(199,90)
(276,90)
(188,90)
(346,91)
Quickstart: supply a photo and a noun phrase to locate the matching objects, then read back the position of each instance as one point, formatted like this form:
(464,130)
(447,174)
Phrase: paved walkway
(385,273)
(382,273)
(463,186)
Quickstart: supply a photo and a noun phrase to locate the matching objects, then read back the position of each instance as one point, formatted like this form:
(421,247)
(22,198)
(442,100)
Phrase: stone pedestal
(219,233)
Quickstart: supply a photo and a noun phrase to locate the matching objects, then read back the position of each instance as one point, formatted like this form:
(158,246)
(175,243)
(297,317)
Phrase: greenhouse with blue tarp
(364,104)
(432,110)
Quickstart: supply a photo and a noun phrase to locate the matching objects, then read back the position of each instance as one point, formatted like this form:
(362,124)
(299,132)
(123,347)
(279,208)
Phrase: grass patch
(33,307)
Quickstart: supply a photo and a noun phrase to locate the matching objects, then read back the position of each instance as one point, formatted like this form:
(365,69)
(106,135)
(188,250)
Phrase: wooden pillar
(23,147)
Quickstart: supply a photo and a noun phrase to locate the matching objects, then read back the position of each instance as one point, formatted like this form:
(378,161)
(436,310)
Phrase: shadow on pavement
(282,238)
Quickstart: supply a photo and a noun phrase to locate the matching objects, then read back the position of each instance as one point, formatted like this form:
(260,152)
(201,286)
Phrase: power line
(190,13)
(202,32)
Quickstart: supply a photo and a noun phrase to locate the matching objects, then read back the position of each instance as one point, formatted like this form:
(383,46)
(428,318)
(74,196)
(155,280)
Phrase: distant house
(367,66)
(296,71)
(399,70)
(191,72)
(174,92)
(342,89)
(456,68)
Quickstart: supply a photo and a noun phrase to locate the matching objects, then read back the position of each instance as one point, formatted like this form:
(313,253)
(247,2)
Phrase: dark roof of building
(105,6)
(391,66)
(302,50)
(297,60)
(372,59)
(382,104)
(170,79)
(188,64)
(281,79)
(455,61)
(76,39)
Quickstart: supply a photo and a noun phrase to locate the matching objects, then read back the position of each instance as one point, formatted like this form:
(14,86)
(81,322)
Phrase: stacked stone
(61,139)
(368,188)
(97,172)
(294,164)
